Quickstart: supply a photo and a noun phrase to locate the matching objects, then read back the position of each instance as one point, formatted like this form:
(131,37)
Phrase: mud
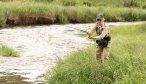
(1,26)
(74,19)
(38,20)
(30,20)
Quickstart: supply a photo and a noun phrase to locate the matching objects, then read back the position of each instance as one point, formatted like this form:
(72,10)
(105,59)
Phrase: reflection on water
(11,78)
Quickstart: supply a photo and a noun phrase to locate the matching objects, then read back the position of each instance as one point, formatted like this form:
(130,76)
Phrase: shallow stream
(40,47)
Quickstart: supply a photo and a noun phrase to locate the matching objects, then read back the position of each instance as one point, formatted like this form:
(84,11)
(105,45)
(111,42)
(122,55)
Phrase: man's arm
(91,31)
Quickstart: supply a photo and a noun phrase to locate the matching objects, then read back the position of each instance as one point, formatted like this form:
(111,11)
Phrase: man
(103,39)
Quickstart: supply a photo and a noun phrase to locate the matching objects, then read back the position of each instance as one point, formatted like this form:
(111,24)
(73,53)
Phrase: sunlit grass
(83,13)
(8,52)
(111,3)
(127,64)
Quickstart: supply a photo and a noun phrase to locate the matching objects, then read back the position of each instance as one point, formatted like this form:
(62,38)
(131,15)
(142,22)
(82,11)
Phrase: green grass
(127,64)
(8,52)
(82,13)
(112,3)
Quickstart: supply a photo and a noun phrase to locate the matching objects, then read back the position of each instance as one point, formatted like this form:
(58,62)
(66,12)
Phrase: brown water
(40,47)
(12,78)
(7,77)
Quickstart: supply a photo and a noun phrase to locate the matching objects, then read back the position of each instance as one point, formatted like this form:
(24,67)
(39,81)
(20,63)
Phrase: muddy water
(11,78)
(40,47)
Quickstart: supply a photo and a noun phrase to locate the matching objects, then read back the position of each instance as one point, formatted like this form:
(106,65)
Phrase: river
(40,47)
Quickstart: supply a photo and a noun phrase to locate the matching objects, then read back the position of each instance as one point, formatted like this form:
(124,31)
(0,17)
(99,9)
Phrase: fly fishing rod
(79,30)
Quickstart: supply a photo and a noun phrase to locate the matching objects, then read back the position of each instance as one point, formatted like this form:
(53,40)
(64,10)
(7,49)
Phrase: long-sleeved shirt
(101,32)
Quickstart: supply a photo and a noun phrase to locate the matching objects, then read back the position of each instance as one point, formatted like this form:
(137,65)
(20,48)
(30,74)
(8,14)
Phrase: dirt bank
(30,20)
(37,20)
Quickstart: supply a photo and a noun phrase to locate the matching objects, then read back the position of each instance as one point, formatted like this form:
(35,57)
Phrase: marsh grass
(111,3)
(82,13)
(8,52)
(127,64)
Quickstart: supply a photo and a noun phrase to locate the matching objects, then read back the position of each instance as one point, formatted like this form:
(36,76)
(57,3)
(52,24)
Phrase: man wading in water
(103,40)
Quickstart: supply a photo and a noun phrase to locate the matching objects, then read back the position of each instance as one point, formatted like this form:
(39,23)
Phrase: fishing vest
(99,30)
(104,41)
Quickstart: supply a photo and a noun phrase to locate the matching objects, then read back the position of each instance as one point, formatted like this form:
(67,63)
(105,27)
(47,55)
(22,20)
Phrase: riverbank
(36,13)
(126,64)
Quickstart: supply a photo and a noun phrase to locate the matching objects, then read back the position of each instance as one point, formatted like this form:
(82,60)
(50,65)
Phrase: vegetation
(74,11)
(127,64)
(113,3)
(6,51)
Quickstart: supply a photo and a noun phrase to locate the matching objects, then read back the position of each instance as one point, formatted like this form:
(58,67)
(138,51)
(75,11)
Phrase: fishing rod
(79,30)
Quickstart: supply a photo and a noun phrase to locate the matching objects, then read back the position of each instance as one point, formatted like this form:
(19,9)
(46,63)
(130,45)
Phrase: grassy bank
(111,3)
(7,52)
(127,64)
(70,13)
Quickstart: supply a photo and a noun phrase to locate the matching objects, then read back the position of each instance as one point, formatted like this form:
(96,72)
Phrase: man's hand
(93,37)
(89,37)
